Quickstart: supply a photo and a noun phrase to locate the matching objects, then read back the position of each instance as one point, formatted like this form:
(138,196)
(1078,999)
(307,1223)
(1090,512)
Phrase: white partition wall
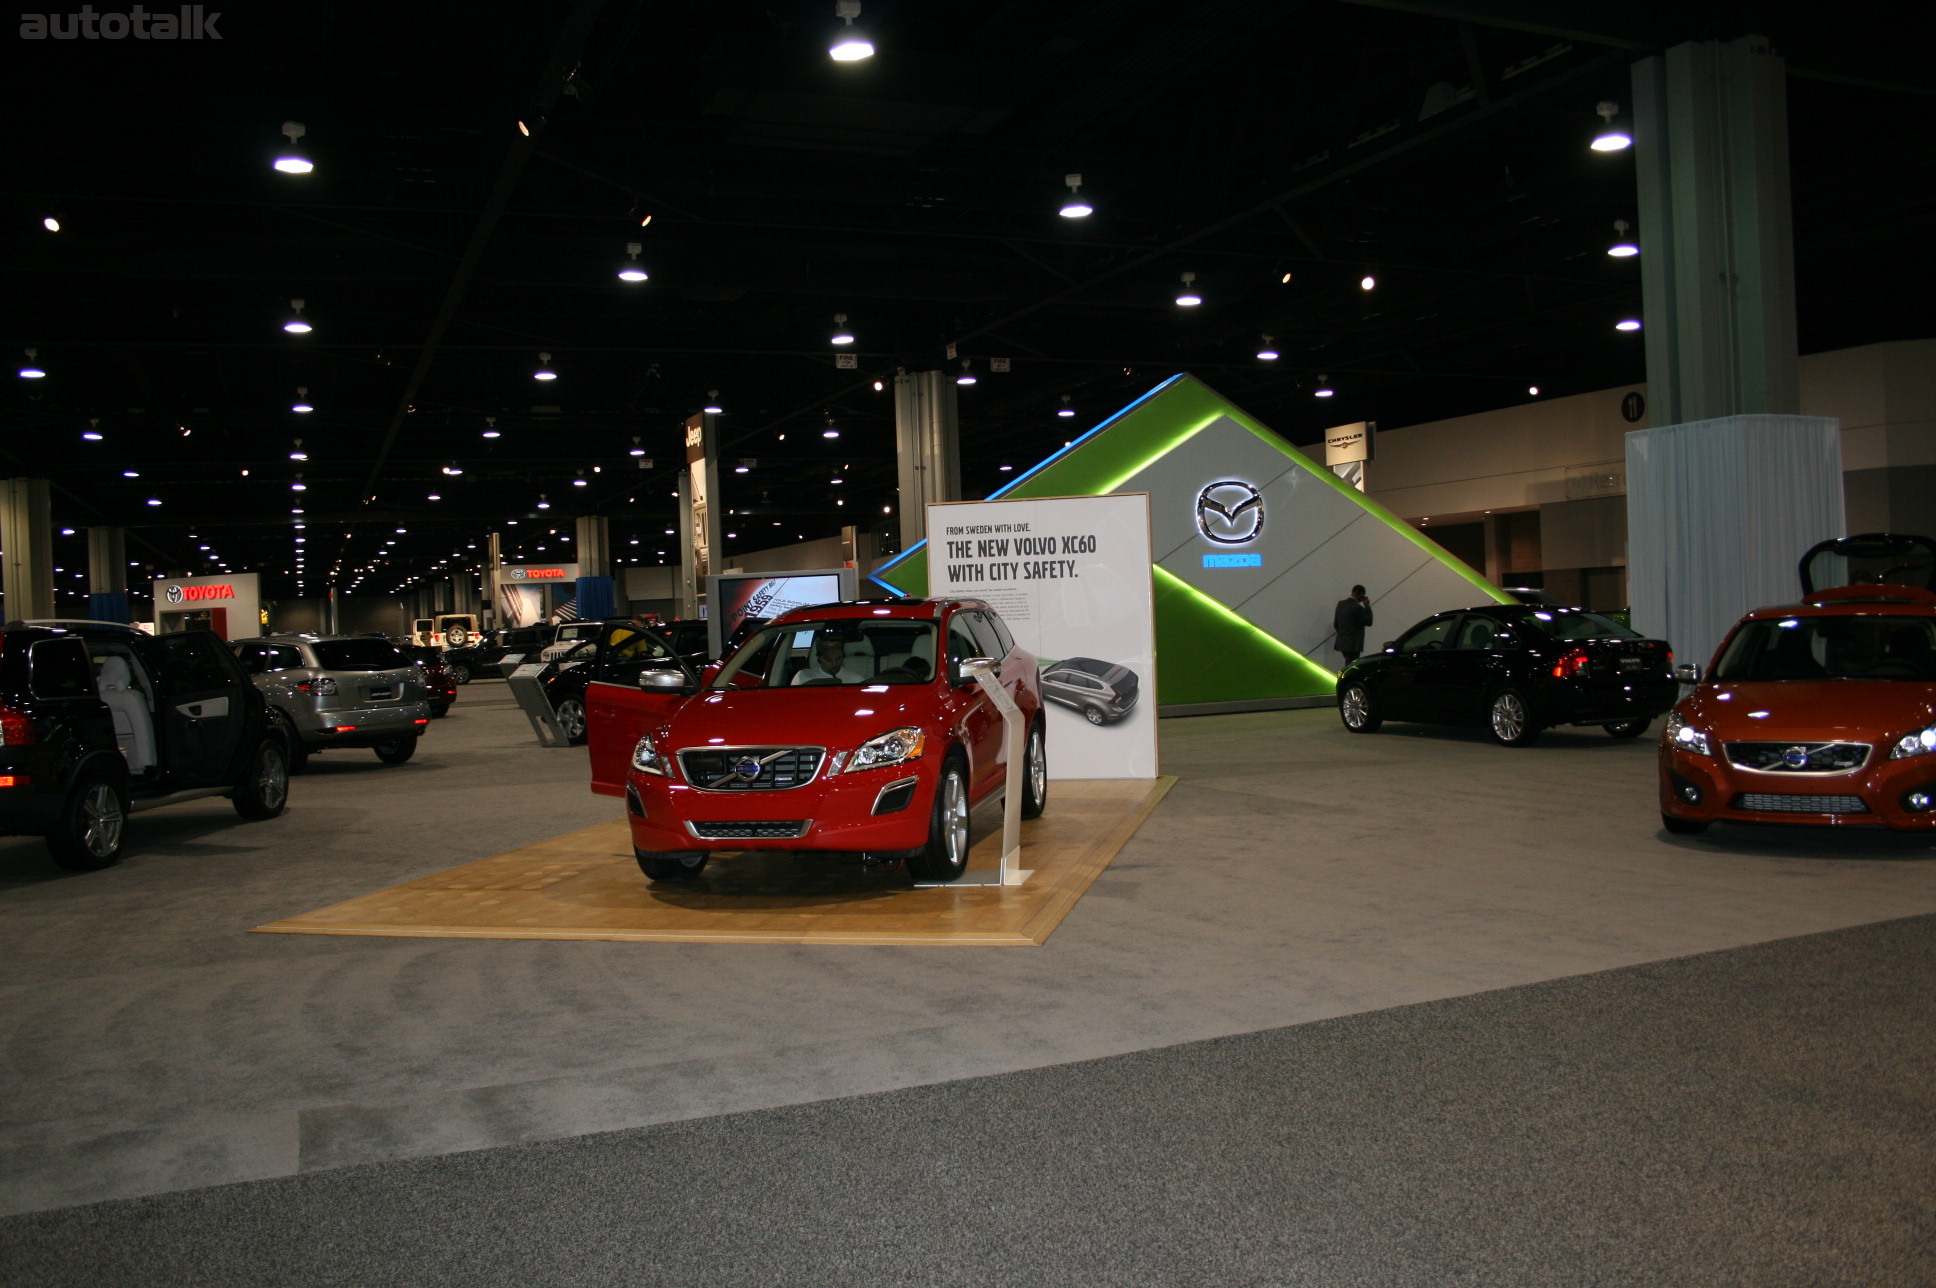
(1718,515)
(1071,578)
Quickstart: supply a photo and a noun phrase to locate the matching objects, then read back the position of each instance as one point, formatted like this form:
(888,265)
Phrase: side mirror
(1687,673)
(965,669)
(669,681)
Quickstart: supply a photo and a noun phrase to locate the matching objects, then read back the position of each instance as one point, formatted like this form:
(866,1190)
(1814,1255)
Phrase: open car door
(615,716)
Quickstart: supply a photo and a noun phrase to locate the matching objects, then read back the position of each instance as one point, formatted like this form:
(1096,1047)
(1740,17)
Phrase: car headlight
(647,758)
(894,748)
(1681,734)
(1920,743)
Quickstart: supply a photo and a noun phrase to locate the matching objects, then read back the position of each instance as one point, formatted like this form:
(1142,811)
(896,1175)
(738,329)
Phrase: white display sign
(1346,443)
(1071,578)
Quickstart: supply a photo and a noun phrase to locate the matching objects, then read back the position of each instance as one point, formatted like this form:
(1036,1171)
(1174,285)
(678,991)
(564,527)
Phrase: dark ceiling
(1280,150)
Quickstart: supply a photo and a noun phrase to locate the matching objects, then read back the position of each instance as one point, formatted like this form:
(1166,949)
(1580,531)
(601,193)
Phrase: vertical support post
(927,441)
(493,560)
(26,550)
(1716,231)
(596,595)
(699,501)
(107,575)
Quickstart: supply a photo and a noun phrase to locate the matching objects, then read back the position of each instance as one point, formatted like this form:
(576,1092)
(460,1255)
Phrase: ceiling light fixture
(33,370)
(1623,247)
(1367,282)
(490,427)
(292,159)
(967,376)
(631,270)
(1065,410)
(1627,324)
(51,224)
(712,407)
(850,42)
(1612,136)
(544,371)
(1265,351)
(93,431)
(841,334)
(297,325)
(1075,207)
(1188,298)
(301,405)
(1324,389)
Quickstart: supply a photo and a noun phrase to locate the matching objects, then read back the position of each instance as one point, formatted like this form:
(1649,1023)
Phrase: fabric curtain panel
(1719,513)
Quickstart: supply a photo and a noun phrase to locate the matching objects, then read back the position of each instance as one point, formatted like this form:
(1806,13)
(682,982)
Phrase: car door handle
(206,709)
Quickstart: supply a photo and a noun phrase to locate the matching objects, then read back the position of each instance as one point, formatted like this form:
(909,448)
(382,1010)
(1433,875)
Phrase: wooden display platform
(586,885)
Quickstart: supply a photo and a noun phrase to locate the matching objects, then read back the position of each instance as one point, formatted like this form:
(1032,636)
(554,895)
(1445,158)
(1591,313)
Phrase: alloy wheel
(1508,717)
(102,820)
(954,820)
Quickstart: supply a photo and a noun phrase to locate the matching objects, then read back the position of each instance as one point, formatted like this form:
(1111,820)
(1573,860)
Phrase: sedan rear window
(1865,646)
(1577,624)
(359,655)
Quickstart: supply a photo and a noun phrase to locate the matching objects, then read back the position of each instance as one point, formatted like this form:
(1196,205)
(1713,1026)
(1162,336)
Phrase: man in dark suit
(1353,614)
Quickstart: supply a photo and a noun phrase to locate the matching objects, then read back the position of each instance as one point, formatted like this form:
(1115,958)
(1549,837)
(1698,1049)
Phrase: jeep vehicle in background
(99,721)
(446,630)
(341,691)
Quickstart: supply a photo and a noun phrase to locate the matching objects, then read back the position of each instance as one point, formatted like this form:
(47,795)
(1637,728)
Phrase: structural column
(700,549)
(26,550)
(107,575)
(597,595)
(927,440)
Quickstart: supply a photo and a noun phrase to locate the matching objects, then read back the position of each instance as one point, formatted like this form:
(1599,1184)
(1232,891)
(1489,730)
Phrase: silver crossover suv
(341,691)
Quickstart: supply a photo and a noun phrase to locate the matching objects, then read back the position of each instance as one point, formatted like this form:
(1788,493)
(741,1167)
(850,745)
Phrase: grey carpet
(1759,1116)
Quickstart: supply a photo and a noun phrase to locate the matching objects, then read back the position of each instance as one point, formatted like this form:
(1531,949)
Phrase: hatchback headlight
(647,758)
(894,748)
(1920,743)
(1681,734)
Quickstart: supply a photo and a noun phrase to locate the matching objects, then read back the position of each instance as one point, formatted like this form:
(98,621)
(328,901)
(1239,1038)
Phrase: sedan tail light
(326,687)
(1571,664)
(16,730)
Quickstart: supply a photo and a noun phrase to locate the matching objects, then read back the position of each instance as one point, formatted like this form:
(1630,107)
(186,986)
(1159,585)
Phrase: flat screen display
(736,598)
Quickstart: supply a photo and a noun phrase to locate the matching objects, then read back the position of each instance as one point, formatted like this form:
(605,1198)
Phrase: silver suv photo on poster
(1102,692)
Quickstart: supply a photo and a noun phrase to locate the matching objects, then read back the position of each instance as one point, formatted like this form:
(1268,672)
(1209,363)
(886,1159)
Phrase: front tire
(1628,729)
(945,856)
(264,789)
(459,673)
(1094,715)
(571,720)
(1035,772)
(92,826)
(1355,709)
(1509,719)
(394,751)
(1682,826)
(670,867)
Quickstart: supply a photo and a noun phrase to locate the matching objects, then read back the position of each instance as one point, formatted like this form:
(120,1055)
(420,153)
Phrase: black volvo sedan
(1515,669)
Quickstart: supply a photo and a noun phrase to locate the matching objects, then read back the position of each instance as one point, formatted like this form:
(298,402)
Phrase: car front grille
(774,830)
(750,769)
(1816,757)
(1784,803)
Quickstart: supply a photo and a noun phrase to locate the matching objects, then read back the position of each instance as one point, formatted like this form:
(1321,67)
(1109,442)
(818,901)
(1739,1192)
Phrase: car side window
(282,658)
(253,657)
(1477,632)
(1432,635)
(986,636)
(60,669)
(961,642)
(192,661)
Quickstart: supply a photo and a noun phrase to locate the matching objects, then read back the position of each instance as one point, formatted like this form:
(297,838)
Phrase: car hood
(832,716)
(1812,709)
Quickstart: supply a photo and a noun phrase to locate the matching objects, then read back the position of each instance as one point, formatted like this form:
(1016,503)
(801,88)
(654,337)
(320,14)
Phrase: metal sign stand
(1010,873)
(529,691)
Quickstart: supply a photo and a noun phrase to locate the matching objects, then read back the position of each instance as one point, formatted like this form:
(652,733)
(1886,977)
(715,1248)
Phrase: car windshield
(843,652)
(1577,624)
(358,655)
(1866,646)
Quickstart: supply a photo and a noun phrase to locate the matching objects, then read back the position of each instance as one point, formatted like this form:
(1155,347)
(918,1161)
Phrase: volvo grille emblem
(174,594)
(748,767)
(1230,512)
(1795,757)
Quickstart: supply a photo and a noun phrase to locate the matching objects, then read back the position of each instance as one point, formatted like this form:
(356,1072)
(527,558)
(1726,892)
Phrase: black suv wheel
(93,823)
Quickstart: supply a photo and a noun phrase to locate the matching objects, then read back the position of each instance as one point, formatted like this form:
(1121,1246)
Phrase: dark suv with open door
(99,721)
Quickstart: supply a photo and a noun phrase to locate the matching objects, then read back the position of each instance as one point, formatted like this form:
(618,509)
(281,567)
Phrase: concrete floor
(1296,873)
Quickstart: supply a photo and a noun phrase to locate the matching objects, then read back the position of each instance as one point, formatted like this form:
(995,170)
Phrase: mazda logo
(173,594)
(1230,512)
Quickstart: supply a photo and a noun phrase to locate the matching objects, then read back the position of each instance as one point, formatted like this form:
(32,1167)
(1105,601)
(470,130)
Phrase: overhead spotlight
(1613,136)
(631,270)
(1265,352)
(1286,279)
(1627,324)
(51,224)
(841,334)
(1065,411)
(542,503)
(712,407)
(1367,282)
(153,500)
(1532,391)
(298,454)
(292,159)
(490,427)
(544,371)
(830,431)
(1324,389)
(850,43)
(1623,247)
(579,481)
(93,431)
(297,325)
(301,404)
(33,370)
(636,449)
(1188,297)
(1075,207)
(453,469)
(879,385)
(967,376)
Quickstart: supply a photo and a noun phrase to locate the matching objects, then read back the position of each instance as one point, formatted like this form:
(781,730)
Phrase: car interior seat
(134,729)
